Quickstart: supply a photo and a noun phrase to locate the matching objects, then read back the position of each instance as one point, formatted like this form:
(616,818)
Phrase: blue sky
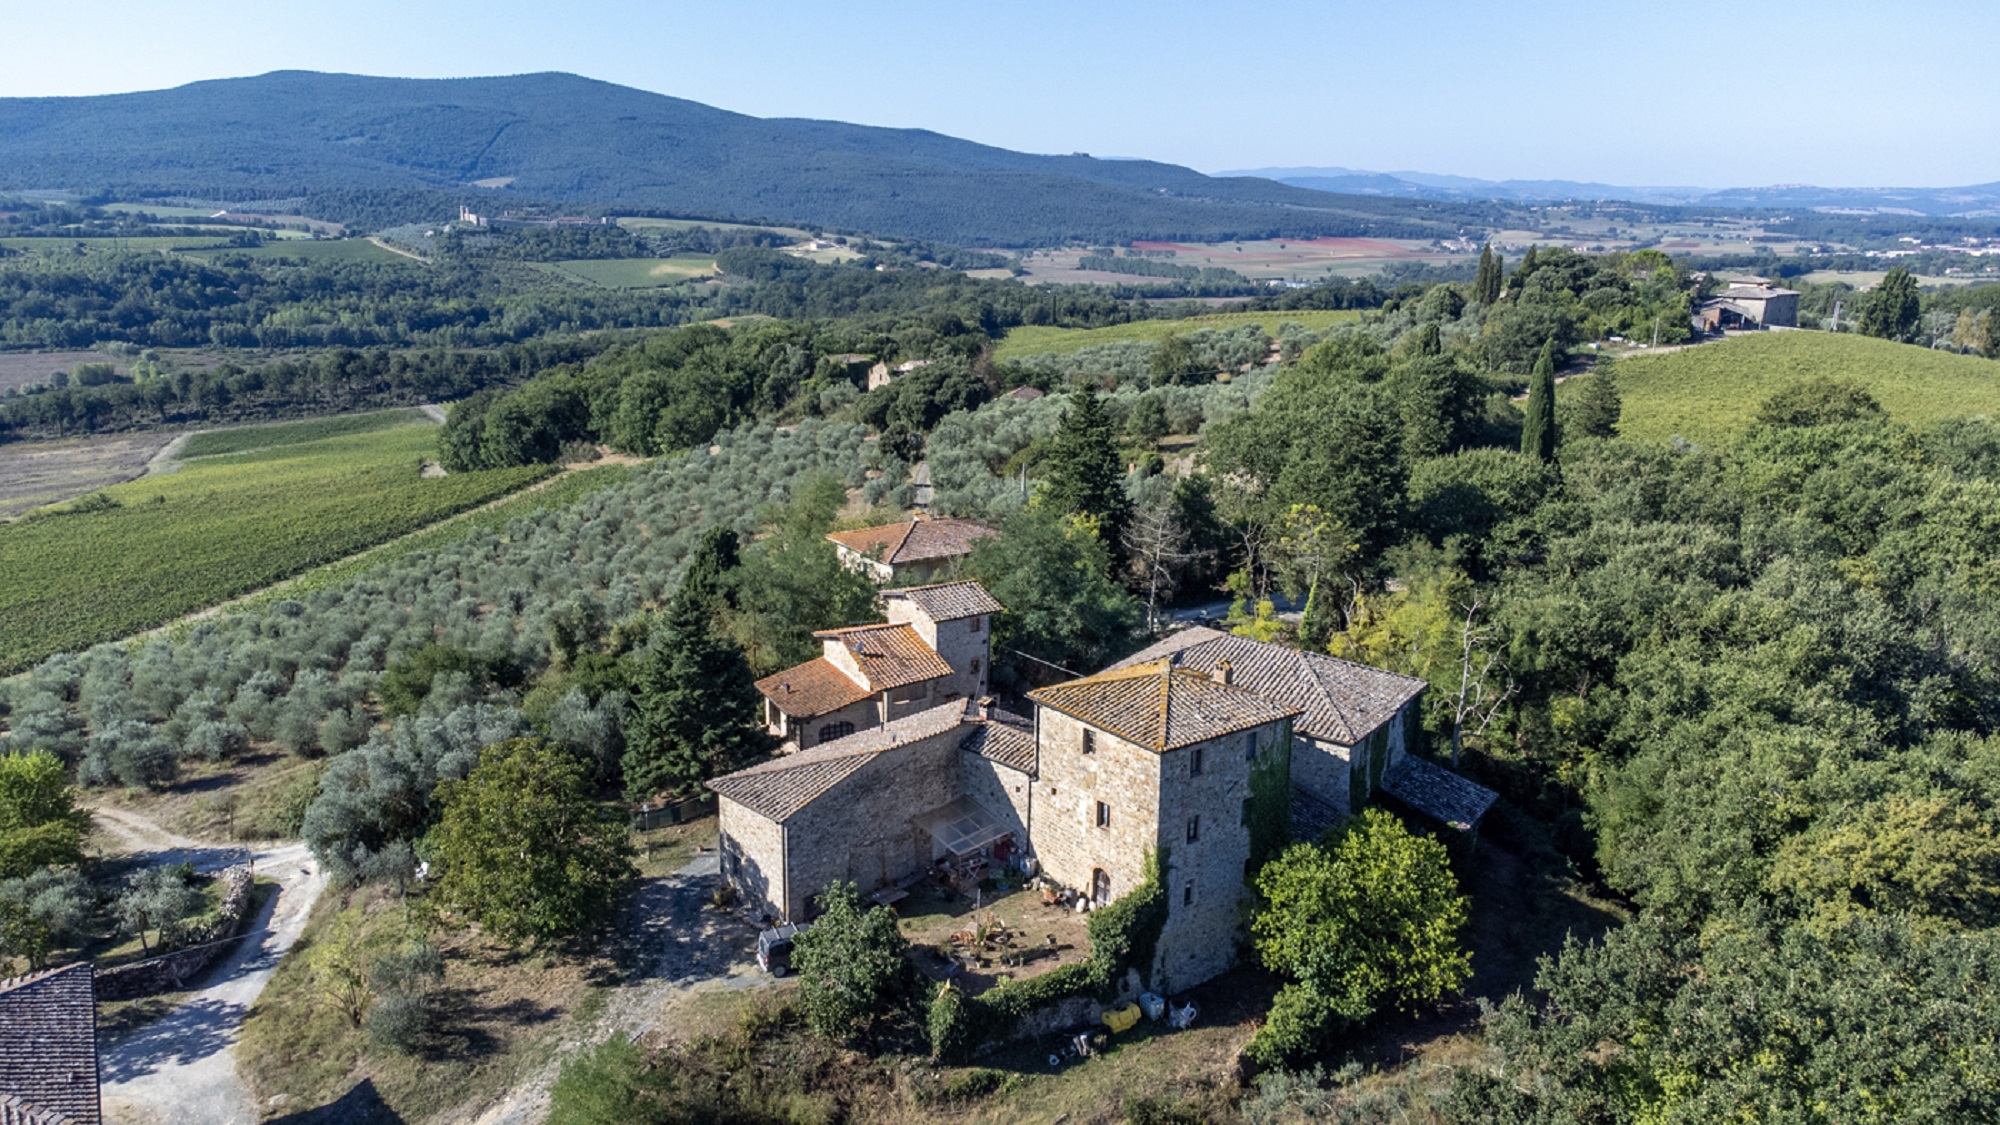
(1836,92)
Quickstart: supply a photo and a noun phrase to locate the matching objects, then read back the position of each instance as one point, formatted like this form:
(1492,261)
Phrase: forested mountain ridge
(563,138)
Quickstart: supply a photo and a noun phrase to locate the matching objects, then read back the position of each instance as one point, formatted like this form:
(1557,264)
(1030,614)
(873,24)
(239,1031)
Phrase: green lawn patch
(1709,394)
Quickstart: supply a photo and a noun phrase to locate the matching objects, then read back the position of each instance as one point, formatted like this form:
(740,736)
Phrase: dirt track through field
(181,1068)
(683,946)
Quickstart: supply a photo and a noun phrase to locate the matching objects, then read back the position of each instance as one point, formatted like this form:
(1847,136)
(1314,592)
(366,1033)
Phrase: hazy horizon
(1550,91)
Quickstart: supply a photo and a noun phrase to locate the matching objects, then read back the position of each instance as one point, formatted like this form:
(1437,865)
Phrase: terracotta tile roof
(1159,706)
(891,656)
(48,1044)
(1437,792)
(1024,394)
(1005,738)
(948,601)
(812,689)
(779,788)
(920,540)
(1338,700)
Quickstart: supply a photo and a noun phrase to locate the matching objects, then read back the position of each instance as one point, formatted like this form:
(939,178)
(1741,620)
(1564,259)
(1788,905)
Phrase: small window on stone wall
(1194,829)
(975,666)
(831,731)
(1089,741)
(1252,742)
(1187,895)
(1194,762)
(1103,815)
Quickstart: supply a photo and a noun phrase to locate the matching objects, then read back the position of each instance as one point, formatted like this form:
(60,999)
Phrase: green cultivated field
(1036,340)
(634,273)
(112,245)
(330,249)
(219,528)
(1709,394)
(242,439)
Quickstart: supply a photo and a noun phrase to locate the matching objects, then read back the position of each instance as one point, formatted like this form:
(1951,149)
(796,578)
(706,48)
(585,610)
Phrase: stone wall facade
(1322,769)
(1005,792)
(1205,832)
(965,644)
(752,856)
(866,832)
(1067,837)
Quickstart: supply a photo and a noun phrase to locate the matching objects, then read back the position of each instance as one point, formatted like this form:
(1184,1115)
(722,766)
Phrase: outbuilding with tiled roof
(48,1048)
(913,551)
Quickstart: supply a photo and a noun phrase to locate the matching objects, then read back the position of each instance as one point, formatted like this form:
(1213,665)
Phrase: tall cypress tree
(1486,283)
(1085,474)
(696,706)
(1538,433)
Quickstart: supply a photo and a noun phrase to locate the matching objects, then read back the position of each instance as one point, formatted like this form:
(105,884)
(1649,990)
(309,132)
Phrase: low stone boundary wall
(170,972)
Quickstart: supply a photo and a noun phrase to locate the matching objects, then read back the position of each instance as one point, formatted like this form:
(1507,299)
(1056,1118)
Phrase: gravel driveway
(181,1068)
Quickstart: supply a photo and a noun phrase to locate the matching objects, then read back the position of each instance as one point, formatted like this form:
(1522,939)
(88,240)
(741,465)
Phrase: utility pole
(1656,330)
(1836,317)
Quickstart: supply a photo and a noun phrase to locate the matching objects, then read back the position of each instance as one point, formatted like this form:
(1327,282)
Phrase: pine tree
(1599,406)
(1524,271)
(1538,434)
(1893,309)
(1085,474)
(696,702)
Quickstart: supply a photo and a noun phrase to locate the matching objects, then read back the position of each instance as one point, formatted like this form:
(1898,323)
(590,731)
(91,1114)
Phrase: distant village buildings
(881,375)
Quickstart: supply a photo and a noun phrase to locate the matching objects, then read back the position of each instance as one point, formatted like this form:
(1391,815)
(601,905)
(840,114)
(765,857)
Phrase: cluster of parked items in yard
(1200,751)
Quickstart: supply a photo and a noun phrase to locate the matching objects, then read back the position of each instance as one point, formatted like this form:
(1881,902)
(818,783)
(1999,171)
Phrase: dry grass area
(36,473)
(21,369)
(495,1011)
(244,799)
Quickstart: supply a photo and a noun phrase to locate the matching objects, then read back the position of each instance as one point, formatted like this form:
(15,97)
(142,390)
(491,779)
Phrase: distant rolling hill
(565,139)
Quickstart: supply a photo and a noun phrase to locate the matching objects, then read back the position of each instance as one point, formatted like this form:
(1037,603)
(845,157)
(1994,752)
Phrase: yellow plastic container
(1121,1019)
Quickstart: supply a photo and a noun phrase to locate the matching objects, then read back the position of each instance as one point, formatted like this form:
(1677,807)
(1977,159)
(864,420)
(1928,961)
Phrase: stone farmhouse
(48,1048)
(1186,751)
(908,552)
(932,649)
(1749,304)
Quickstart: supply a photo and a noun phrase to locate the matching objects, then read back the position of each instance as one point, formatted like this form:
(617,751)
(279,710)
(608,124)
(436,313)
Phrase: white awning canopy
(963,827)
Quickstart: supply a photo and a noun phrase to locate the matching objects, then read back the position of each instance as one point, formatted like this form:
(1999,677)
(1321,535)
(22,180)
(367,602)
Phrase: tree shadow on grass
(360,1105)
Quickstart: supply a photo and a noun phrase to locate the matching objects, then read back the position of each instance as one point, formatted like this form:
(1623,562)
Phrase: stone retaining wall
(171,972)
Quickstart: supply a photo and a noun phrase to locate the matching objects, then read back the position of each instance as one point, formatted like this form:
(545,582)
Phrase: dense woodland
(1751,691)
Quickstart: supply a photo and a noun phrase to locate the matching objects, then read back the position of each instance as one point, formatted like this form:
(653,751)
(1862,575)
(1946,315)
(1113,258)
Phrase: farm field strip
(632,273)
(275,435)
(219,528)
(143,243)
(1709,394)
(1038,340)
(327,249)
(39,473)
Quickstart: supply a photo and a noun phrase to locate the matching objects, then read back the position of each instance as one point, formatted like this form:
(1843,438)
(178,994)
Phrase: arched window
(1100,887)
(831,731)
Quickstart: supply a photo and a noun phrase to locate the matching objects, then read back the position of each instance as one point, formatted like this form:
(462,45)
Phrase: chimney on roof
(1224,674)
(980,707)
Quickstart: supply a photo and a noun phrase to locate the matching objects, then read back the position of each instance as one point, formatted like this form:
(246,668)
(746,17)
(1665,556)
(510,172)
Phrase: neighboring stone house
(933,648)
(881,375)
(1750,306)
(48,1048)
(908,552)
(1186,751)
